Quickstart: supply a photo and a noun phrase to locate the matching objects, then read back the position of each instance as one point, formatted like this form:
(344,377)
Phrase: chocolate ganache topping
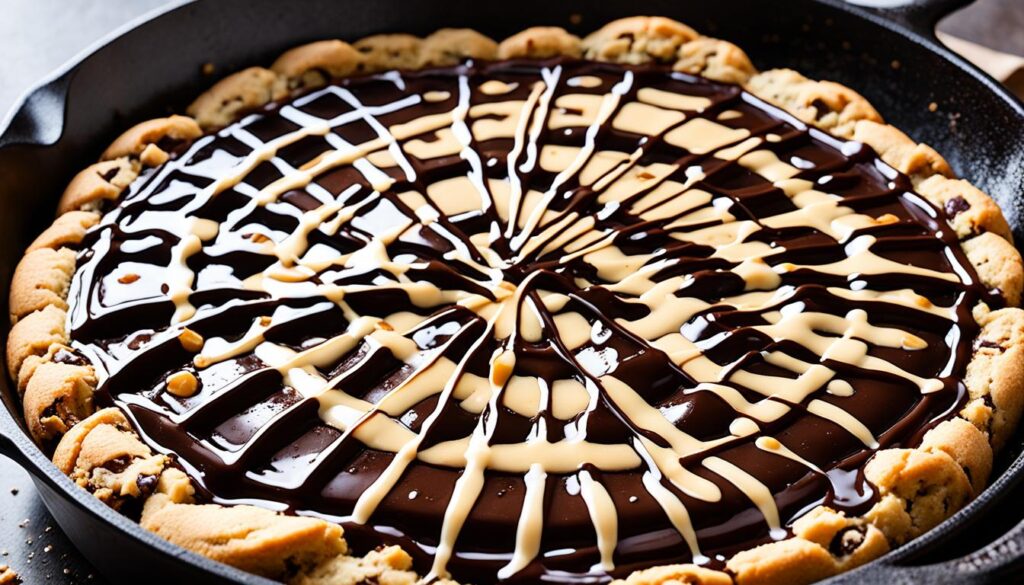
(551,320)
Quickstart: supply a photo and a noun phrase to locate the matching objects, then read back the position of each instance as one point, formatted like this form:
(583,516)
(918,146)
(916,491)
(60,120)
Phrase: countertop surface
(36,37)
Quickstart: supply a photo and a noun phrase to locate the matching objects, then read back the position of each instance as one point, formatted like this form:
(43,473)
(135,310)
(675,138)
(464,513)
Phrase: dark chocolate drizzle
(246,438)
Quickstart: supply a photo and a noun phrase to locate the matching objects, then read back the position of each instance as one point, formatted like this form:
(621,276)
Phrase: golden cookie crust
(827,105)
(313,64)
(917,161)
(448,46)
(638,40)
(998,264)
(236,94)
(57,397)
(40,280)
(66,230)
(103,181)
(134,141)
(66,455)
(971,210)
(31,363)
(33,335)
(540,42)
(966,445)
(714,59)
(389,51)
(918,488)
(687,574)
(249,538)
(390,565)
(994,374)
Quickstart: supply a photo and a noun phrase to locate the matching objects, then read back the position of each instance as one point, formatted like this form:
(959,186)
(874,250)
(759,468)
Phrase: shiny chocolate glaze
(429,231)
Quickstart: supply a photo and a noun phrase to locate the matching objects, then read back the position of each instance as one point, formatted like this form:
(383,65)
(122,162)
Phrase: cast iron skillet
(154,66)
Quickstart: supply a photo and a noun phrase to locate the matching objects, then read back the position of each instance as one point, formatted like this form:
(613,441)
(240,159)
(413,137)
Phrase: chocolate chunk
(956,206)
(846,541)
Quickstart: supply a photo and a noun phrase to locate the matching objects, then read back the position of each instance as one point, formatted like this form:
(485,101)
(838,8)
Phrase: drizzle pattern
(527,319)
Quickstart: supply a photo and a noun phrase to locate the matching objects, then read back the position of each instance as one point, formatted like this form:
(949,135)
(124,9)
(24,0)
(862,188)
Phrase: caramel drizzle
(556,241)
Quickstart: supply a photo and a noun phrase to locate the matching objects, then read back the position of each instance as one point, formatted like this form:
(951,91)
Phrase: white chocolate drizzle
(525,230)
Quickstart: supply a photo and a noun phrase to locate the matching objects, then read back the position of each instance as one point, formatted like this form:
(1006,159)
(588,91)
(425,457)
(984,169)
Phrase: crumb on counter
(8,576)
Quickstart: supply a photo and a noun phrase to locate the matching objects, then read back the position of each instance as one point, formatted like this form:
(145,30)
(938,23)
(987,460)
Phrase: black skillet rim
(915,26)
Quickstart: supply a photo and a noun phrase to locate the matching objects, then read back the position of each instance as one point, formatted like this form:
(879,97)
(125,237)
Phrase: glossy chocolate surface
(652,267)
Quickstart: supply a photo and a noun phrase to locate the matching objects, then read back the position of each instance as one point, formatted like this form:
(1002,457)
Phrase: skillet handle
(919,16)
(38,118)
